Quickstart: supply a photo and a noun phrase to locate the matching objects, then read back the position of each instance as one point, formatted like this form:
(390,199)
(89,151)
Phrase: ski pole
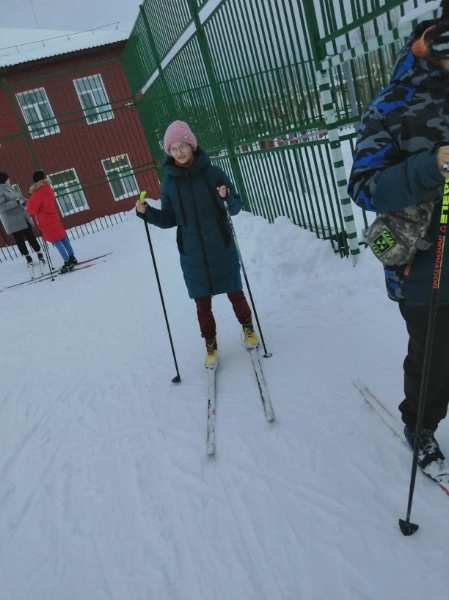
(47,254)
(177,377)
(406,526)
(234,235)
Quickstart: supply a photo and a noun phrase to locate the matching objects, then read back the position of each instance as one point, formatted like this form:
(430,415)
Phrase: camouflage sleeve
(383,178)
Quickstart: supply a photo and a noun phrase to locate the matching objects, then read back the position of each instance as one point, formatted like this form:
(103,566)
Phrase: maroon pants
(206,318)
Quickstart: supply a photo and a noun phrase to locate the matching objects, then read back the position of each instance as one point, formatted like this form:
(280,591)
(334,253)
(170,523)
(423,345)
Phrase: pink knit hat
(178,131)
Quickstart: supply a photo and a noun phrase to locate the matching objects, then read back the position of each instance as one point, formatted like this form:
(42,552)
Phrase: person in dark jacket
(401,161)
(42,205)
(16,220)
(193,199)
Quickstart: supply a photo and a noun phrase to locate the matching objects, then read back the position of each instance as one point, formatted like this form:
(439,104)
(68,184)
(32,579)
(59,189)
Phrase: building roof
(24,45)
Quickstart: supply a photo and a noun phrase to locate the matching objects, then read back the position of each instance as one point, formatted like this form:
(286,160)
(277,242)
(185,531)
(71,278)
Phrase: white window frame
(120,175)
(44,125)
(93,99)
(66,193)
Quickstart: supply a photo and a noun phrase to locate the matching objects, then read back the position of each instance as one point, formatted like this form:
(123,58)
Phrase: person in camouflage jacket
(400,163)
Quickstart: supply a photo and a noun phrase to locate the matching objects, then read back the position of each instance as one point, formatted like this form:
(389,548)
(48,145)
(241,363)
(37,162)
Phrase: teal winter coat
(190,202)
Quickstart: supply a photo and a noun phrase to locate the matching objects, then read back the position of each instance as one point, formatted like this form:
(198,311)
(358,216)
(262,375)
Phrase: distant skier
(16,220)
(193,196)
(42,205)
(401,160)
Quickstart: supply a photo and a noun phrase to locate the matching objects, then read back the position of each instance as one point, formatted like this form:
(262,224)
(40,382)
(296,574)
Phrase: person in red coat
(42,206)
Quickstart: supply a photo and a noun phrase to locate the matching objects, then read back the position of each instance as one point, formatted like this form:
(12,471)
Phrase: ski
(77,267)
(36,279)
(58,273)
(31,268)
(82,262)
(212,398)
(211,409)
(395,426)
(41,264)
(263,391)
(54,272)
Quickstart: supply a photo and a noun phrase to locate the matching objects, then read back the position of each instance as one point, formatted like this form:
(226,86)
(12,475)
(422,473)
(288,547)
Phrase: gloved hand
(222,190)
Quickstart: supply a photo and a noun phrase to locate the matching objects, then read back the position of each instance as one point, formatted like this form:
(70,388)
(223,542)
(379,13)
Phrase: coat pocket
(179,240)
(223,225)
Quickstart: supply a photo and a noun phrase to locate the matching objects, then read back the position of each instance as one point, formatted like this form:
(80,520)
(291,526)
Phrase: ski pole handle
(142,196)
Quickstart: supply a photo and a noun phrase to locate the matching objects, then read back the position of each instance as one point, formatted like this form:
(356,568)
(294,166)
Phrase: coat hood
(202,161)
(420,73)
(39,184)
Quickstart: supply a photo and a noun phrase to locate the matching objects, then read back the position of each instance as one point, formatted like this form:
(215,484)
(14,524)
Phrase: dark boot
(429,450)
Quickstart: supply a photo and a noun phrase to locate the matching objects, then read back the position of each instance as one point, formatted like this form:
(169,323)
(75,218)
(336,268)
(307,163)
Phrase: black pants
(28,235)
(416,319)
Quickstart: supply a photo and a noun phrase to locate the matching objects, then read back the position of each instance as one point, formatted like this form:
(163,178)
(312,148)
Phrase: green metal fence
(273,89)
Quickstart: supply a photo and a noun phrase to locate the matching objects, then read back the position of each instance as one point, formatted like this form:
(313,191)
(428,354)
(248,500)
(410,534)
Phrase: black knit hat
(3,177)
(38,176)
(432,41)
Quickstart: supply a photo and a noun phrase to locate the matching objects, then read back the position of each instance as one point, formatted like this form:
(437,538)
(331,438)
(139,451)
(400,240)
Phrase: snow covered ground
(106,492)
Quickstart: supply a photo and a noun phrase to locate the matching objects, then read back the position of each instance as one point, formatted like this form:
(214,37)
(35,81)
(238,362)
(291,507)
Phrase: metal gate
(273,89)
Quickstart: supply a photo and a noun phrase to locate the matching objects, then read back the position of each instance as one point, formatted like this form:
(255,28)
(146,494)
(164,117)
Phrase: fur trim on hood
(39,184)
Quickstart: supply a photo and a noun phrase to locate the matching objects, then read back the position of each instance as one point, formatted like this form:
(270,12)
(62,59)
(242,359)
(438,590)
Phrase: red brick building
(66,108)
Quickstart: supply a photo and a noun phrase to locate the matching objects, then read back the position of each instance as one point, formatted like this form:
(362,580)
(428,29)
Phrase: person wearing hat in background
(193,200)
(400,164)
(16,220)
(42,206)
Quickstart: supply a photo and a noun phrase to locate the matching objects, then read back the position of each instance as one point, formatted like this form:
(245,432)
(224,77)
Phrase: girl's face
(181,152)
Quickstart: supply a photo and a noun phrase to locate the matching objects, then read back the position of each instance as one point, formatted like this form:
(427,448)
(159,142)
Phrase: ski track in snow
(106,490)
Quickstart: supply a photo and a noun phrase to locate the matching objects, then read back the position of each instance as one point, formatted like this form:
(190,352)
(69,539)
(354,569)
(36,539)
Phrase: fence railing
(272,89)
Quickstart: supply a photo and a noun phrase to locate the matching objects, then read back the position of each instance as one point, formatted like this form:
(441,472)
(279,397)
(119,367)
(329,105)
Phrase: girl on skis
(193,199)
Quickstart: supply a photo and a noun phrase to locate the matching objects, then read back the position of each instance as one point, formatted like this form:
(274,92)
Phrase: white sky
(106,491)
(68,15)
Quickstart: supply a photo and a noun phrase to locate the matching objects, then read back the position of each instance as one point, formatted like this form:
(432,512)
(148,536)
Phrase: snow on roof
(23,45)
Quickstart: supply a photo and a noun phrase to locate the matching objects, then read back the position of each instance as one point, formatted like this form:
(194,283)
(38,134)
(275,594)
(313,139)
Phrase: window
(93,99)
(120,177)
(69,194)
(38,113)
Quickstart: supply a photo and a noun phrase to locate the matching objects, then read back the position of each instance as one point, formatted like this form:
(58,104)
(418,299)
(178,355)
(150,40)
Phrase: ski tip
(407,528)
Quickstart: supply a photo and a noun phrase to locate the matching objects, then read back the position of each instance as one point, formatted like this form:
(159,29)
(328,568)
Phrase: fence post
(219,102)
(151,139)
(316,46)
(330,118)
